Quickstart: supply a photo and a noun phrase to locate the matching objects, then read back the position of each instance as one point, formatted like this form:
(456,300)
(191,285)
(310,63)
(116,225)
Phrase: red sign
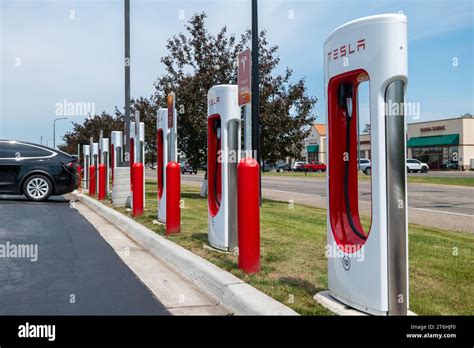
(170,102)
(244,77)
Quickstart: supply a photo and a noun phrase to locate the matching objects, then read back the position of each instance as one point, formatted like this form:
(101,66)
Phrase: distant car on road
(188,168)
(315,167)
(283,167)
(35,171)
(363,164)
(413,165)
(298,166)
(450,165)
(268,167)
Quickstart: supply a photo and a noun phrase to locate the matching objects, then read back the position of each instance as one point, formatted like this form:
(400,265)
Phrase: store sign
(364,142)
(433,128)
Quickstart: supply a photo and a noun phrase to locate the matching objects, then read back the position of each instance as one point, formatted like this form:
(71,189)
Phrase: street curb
(229,290)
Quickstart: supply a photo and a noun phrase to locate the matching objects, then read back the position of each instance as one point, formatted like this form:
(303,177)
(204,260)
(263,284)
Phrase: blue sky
(50,54)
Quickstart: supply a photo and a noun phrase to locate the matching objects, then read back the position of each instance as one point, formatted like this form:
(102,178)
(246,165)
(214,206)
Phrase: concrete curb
(229,290)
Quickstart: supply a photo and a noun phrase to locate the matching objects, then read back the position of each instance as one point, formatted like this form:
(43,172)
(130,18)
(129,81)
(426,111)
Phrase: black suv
(36,171)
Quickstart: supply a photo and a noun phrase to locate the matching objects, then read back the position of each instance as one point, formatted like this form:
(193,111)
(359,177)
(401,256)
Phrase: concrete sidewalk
(177,295)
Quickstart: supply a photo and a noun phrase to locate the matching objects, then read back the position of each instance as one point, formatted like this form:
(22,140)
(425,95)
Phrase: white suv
(363,163)
(413,165)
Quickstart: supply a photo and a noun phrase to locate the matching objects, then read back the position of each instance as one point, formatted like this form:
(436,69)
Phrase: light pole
(54,130)
(127,82)
(255,91)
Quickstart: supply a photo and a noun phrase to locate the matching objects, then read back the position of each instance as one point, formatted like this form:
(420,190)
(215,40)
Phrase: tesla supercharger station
(163,154)
(116,150)
(87,162)
(106,162)
(137,153)
(223,132)
(371,271)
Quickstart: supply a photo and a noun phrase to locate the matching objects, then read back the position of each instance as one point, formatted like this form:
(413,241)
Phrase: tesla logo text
(214,101)
(346,50)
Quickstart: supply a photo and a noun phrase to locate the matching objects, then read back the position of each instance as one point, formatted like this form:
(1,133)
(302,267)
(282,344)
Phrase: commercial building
(442,144)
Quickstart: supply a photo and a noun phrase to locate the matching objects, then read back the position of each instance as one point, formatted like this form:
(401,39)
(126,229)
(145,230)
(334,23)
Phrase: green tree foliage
(199,60)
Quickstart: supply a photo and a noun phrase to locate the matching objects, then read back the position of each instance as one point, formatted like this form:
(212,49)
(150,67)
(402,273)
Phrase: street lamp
(54,130)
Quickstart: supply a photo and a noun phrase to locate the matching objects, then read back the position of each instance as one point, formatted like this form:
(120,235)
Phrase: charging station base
(337,307)
(211,248)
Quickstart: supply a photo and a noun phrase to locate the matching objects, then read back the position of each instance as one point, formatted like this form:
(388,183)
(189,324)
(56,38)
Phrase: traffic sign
(244,77)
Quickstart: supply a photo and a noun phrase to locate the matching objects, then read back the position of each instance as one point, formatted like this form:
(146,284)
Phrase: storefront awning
(312,148)
(435,140)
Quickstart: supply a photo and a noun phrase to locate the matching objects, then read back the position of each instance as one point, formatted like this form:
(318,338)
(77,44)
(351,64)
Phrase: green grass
(419,179)
(294,266)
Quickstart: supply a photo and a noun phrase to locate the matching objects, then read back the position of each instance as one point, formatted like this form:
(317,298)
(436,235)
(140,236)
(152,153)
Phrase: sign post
(171,116)
(248,175)
(244,80)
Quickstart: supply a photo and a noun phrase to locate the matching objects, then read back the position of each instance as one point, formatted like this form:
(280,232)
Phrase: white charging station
(116,150)
(369,272)
(86,152)
(223,125)
(163,153)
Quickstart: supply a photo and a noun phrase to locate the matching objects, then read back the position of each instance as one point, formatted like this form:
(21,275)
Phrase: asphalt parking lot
(75,271)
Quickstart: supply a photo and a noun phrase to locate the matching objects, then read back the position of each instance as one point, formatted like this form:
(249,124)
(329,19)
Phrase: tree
(366,128)
(91,127)
(199,60)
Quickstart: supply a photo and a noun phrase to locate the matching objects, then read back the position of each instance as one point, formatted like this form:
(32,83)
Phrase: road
(449,207)
(83,266)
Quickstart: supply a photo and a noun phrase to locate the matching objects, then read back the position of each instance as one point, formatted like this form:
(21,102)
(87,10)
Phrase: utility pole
(127,84)
(255,90)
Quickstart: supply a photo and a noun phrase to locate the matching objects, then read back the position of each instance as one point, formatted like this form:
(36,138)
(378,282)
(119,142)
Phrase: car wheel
(37,188)
(368,171)
(424,170)
(280,170)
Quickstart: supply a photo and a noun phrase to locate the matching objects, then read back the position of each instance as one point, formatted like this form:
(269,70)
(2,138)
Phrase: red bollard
(137,185)
(249,215)
(173,196)
(92,180)
(102,178)
(79,177)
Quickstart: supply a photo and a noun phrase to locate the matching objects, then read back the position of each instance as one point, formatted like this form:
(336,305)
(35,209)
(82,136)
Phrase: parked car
(186,167)
(35,171)
(282,167)
(363,163)
(315,167)
(415,166)
(298,166)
